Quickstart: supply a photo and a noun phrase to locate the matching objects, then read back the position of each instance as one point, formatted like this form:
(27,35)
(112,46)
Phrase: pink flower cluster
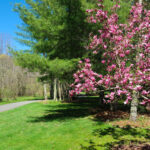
(126,53)
(85,78)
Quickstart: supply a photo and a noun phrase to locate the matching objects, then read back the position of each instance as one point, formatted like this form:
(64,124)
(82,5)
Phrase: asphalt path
(10,106)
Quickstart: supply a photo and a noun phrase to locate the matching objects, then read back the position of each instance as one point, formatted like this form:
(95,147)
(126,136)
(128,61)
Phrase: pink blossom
(81,75)
(100,82)
(127,52)
(113,66)
(100,76)
(87,60)
(144,92)
(105,46)
(94,52)
(138,87)
(119,92)
(103,61)
(128,62)
(122,55)
(80,62)
(77,80)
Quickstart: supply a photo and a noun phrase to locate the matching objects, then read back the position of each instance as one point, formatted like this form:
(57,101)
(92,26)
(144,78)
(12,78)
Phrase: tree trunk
(63,93)
(45,92)
(140,2)
(148,107)
(111,107)
(134,105)
(51,90)
(134,102)
(67,92)
(60,91)
(101,96)
(55,89)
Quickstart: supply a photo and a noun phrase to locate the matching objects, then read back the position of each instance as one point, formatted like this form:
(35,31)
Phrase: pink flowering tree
(126,53)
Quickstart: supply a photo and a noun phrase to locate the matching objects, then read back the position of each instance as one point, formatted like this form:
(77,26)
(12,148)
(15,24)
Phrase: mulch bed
(140,146)
(145,123)
(121,118)
(111,115)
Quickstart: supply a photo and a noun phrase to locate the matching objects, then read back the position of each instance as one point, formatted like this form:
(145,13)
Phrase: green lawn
(23,98)
(61,126)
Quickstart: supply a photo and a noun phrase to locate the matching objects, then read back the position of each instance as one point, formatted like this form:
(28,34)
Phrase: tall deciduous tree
(15,81)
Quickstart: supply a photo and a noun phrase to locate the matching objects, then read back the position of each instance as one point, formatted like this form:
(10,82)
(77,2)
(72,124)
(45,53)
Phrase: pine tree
(56,32)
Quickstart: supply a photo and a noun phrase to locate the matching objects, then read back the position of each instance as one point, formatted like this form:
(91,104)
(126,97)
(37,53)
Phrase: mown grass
(61,126)
(20,99)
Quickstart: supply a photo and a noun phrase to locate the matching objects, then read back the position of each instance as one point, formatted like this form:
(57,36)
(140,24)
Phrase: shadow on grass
(67,111)
(119,135)
(35,99)
(82,108)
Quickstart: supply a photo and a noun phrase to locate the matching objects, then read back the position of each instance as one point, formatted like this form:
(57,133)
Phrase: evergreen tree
(56,32)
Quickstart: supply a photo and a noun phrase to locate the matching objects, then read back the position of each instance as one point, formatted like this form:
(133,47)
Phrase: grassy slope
(20,99)
(56,126)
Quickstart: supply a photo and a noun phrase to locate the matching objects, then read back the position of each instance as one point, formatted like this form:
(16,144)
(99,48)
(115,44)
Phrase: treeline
(57,34)
(15,81)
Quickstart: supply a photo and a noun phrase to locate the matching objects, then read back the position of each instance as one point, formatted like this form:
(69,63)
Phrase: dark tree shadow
(67,111)
(82,108)
(117,133)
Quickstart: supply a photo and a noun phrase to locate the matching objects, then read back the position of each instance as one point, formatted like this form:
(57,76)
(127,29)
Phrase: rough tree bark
(59,91)
(55,89)
(45,92)
(134,106)
(51,90)
(140,2)
(134,102)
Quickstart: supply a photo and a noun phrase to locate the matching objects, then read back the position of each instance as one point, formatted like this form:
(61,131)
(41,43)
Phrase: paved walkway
(10,106)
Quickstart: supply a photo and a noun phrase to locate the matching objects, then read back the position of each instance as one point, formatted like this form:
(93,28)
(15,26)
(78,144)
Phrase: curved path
(10,106)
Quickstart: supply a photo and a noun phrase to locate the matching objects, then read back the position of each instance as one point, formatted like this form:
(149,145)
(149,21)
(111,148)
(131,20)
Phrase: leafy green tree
(56,32)
(55,28)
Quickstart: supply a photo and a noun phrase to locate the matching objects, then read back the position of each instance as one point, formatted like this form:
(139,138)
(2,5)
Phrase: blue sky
(9,20)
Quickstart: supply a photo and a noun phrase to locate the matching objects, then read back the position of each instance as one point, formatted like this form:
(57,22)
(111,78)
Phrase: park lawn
(61,126)
(20,99)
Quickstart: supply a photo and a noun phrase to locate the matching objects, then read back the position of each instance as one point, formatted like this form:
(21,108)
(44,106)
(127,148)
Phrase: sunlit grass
(60,126)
